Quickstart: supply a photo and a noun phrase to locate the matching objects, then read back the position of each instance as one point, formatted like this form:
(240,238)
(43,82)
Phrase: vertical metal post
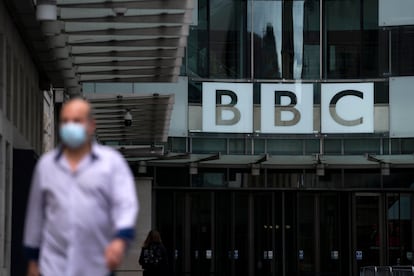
(316,227)
(251,41)
(273,248)
(354,234)
(383,231)
(213,236)
(233,232)
(390,52)
(283,236)
(251,235)
(187,234)
(321,40)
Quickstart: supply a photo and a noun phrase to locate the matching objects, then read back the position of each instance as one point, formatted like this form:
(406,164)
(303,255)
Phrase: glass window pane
(259,146)
(178,144)
(368,237)
(286,146)
(194,92)
(400,222)
(267,38)
(287,48)
(207,145)
(362,178)
(306,233)
(241,178)
(362,146)
(399,178)
(217,46)
(236,146)
(355,46)
(163,176)
(312,146)
(331,179)
(407,146)
(402,51)
(395,146)
(332,146)
(381,93)
(386,146)
(290,178)
(209,178)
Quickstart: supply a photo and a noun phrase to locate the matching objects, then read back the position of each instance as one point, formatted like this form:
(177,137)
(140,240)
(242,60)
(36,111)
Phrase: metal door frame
(381,225)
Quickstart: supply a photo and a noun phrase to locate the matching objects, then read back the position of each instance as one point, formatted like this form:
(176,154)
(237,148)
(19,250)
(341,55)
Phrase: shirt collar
(94,151)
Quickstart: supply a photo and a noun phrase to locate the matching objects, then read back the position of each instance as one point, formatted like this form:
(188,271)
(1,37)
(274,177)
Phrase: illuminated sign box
(288,108)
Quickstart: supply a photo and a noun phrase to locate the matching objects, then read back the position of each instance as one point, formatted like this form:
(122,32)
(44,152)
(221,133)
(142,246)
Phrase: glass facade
(227,220)
(229,232)
(295,40)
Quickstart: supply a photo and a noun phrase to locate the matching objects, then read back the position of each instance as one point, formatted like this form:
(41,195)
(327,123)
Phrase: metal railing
(387,271)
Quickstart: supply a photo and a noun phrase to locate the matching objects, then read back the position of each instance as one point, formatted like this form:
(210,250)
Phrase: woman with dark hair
(154,258)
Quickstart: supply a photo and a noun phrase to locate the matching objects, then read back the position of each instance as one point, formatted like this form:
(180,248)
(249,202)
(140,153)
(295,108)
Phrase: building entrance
(272,233)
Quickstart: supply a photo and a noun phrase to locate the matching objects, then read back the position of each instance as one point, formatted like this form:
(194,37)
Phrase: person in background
(154,258)
(82,205)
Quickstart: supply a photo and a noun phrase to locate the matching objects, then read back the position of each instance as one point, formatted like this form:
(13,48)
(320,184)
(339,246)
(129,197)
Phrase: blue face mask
(73,135)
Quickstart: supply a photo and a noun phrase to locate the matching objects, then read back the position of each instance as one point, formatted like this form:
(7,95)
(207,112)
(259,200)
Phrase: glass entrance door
(247,233)
(368,234)
(400,208)
(231,228)
(274,231)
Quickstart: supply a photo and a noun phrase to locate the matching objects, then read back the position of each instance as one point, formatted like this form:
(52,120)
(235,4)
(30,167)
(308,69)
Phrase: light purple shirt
(73,216)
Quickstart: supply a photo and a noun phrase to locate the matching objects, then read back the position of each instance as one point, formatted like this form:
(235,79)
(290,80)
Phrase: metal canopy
(150,118)
(112,41)
(288,161)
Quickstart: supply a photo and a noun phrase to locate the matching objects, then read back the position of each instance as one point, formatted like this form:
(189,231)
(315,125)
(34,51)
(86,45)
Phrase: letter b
(230,107)
(279,108)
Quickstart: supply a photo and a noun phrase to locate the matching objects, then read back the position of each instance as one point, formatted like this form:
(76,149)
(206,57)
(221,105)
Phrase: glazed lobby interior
(266,137)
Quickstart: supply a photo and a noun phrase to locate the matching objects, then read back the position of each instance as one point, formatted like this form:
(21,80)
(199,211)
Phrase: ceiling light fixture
(120,11)
(193,168)
(142,167)
(128,118)
(46,10)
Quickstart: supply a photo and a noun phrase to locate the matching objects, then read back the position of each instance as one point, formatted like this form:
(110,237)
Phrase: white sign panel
(347,107)
(401,107)
(395,12)
(227,107)
(286,108)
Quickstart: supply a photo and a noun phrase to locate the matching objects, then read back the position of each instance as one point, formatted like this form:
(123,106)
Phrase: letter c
(334,114)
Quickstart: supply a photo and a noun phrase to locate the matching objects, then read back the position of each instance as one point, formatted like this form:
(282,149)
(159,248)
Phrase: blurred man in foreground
(82,205)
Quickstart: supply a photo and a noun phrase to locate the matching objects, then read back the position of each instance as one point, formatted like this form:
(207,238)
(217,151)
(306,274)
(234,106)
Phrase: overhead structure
(79,41)
(133,120)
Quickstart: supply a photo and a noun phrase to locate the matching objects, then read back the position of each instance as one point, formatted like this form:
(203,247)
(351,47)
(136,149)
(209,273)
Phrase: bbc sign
(288,108)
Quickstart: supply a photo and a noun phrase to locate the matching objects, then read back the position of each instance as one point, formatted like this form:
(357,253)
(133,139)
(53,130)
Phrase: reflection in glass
(264,234)
(298,18)
(368,238)
(306,233)
(200,241)
(287,48)
(217,45)
(399,178)
(362,179)
(402,39)
(330,252)
(356,48)
(399,215)
(267,38)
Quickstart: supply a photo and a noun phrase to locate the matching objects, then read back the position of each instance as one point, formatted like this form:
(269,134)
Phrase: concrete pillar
(130,265)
